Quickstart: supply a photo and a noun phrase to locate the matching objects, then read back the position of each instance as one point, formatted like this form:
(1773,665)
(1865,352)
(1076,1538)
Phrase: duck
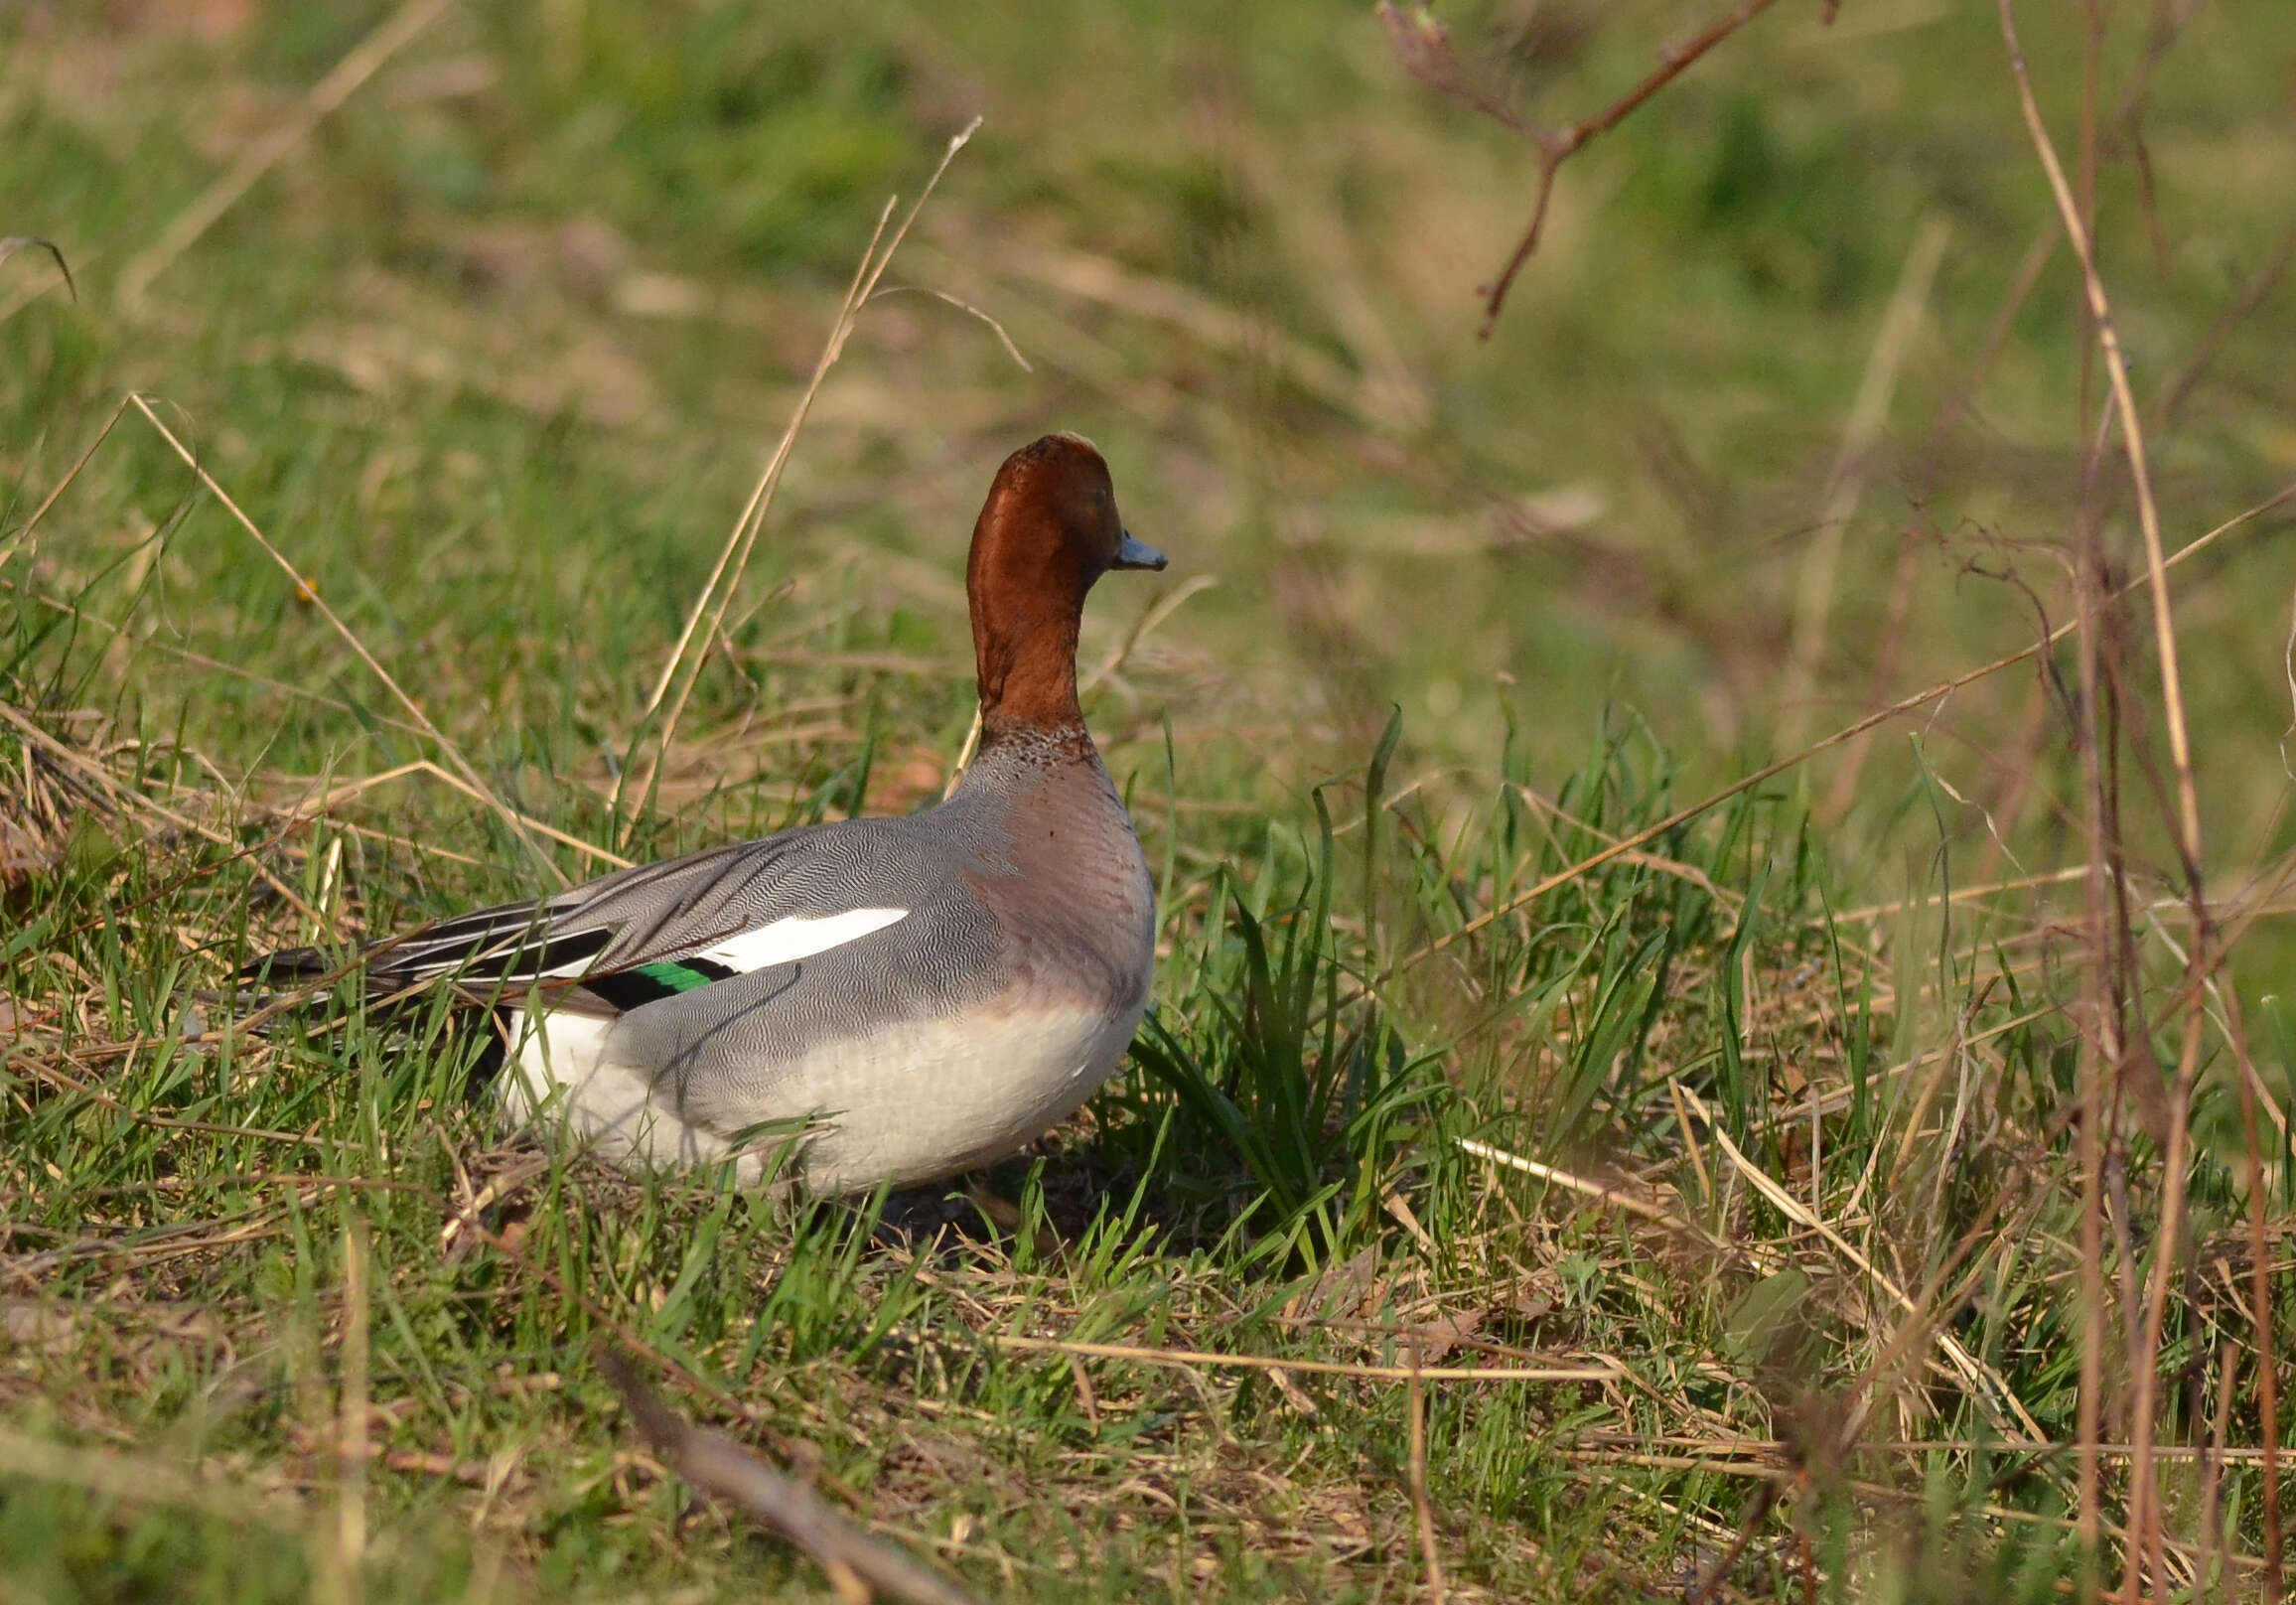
(864,1002)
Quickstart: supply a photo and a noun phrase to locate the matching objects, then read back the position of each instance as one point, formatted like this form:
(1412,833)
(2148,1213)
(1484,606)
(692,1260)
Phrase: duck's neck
(1025,648)
(1027,678)
(1025,582)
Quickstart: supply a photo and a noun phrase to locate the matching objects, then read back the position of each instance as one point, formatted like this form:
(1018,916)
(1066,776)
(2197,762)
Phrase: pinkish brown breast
(1080,912)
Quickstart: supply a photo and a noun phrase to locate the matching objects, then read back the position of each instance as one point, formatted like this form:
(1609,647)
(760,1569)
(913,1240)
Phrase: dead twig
(1423,1506)
(1423,46)
(13,243)
(716,1464)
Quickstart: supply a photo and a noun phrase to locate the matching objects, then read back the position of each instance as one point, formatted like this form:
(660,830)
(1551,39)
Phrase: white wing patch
(576,966)
(797,936)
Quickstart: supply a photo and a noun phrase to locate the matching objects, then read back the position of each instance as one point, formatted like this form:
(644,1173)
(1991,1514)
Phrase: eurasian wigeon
(922,994)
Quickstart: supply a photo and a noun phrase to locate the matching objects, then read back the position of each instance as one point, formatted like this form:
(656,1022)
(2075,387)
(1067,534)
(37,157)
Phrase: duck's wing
(657,930)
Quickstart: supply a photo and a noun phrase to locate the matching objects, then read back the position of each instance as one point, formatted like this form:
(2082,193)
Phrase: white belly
(907,1105)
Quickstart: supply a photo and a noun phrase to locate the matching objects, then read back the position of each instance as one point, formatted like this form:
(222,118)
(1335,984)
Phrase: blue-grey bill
(1137,553)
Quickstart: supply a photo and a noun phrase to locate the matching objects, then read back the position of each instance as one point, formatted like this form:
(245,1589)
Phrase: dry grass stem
(761,492)
(310,593)
(351,1466)
(1603,1192)
(2132,440)
(1845,483)
(55,494)
(334,797)
(968,308)
(1604,1373)
(135,801)
(734,556)
(2145,1515)
(1986,1382)
(1422,1505)
(1904,705)
(1144,625)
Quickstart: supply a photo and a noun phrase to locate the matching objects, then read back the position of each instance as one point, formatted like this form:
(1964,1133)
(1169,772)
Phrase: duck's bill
(1136,553)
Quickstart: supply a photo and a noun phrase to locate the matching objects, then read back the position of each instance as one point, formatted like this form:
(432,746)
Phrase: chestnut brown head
(1048,529)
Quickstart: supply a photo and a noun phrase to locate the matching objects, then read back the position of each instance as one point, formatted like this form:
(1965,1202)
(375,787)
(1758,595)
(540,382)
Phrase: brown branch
(2145,1552)
(716,1464)
(1423,1506)
(2188,841)
(2261,1304)
(1423,47)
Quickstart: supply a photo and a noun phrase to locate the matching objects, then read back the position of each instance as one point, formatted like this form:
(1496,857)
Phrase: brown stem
(2144,1517)
(1424,49)
(2260,1299)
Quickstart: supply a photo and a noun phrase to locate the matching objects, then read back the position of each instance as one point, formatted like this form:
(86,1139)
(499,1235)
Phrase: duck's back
(986,964)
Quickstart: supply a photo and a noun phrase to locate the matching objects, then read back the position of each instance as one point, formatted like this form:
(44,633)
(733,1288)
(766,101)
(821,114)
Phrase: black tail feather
(289,965)
(505,944)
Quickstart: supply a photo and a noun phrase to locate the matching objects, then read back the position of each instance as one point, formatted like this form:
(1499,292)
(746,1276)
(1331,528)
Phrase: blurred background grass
(494,353)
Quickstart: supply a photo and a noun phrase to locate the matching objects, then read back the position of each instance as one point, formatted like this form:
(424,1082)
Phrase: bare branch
(716,1464)
(1423,47)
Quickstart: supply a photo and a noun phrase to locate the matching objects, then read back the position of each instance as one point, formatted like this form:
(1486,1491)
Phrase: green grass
(493,357)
